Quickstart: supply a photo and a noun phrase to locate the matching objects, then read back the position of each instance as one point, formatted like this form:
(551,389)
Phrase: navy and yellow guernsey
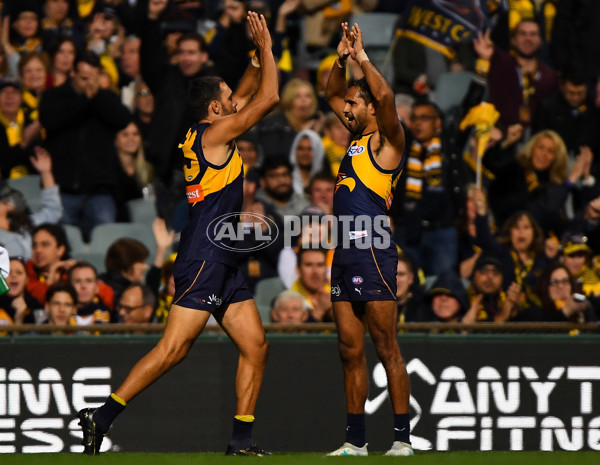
(214,193)
(362,188)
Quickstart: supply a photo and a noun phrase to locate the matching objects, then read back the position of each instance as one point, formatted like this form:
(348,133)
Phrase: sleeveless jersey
(214,195)
(363,188)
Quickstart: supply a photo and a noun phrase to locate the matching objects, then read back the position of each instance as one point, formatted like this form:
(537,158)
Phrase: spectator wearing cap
(16,221)
(16,130)
(24,27)
(447,299)
(488,300)
(81,121)
(168,83)
(276,188)
(577,258)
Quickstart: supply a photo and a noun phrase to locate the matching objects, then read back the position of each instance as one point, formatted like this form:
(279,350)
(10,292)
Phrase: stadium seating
(451,88)
(142,211)
(105,234)
(75,240)
(266,291)
(30,187)
(378,33)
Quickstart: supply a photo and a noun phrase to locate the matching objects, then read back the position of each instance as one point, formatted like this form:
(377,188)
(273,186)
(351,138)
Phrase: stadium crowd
(93,101)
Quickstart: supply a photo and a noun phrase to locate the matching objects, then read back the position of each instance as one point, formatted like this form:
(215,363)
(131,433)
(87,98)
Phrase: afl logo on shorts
(355,150)
(357,280)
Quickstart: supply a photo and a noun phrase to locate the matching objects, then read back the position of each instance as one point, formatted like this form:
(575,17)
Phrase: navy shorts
(362,275)
(210,286)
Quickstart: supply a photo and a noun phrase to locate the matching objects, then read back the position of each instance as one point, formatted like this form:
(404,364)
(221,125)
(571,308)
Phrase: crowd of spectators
(93,100)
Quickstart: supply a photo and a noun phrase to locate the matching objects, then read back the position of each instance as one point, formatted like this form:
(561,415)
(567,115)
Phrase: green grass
(431,458)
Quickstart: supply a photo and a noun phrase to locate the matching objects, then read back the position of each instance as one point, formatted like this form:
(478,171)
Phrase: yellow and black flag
(441,24)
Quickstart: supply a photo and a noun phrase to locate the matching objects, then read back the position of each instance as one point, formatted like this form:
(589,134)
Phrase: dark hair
(88,57)
(575,75)
(59,234)
(428,103)
(61,287)
(123,253)
(148,295)
(365,91)
(303,250)
(82,264)
(537,244)
(320,176)
(195,37)
(544,285)
(272,163)
(55,45)
(523,21)
(201,92)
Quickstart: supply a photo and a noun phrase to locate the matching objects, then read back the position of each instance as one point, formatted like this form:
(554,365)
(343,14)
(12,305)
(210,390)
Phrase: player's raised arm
(248,84)
(390,129)
(336,84)
(225,129)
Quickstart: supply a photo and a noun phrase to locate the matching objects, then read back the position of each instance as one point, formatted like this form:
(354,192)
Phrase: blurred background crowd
(496,215)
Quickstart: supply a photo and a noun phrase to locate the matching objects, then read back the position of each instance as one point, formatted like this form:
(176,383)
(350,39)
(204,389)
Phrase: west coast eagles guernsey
(362,188)
(214,195)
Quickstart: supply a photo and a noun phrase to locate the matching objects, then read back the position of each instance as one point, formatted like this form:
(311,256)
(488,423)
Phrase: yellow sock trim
(116,398)
(246,418)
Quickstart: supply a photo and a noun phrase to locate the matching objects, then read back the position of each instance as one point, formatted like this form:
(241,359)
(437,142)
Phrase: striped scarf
(424,165)
(14,129)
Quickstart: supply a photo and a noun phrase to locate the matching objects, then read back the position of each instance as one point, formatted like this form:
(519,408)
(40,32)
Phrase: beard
(282,196)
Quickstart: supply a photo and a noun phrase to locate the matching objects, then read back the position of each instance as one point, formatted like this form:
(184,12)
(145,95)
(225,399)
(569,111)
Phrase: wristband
(256,63)
(362,56)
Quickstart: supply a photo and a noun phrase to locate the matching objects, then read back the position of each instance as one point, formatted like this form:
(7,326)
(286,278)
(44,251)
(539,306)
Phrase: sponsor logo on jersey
(355,150)
(194,193)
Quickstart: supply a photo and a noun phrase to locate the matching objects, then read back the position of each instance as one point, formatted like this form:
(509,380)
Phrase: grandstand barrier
(468,392)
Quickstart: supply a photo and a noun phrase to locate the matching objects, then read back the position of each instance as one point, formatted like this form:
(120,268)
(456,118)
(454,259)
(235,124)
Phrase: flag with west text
(441,24)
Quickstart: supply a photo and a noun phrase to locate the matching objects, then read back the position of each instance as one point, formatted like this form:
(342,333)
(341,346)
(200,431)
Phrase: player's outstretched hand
(357,43)
(343,48)
(259,31)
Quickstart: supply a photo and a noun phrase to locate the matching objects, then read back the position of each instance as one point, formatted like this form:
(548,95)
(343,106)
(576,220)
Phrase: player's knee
(350,353)
(387,348)
(174,352)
